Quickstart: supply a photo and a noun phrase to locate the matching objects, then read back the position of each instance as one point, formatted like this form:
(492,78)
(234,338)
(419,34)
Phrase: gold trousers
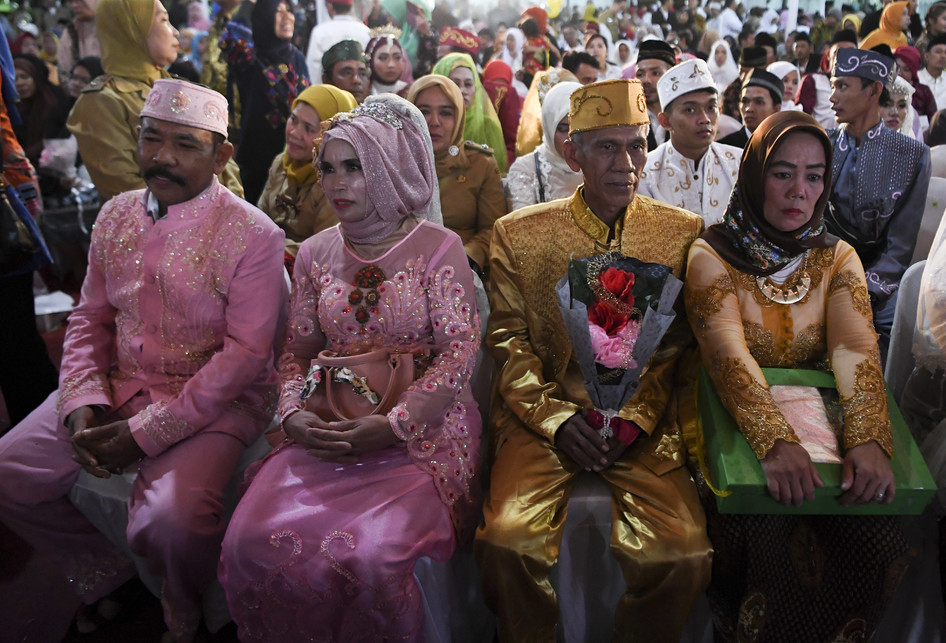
(658,537)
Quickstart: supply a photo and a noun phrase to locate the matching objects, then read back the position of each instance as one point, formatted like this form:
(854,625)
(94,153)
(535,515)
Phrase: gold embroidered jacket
(539,382)
(739,330)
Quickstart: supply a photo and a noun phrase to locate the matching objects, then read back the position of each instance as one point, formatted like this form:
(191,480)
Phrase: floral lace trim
(82,385)
(751,404)
(86,572)
(865,412)
(861,298)
(162,426)
(703,303)
(288,589)
(808,347)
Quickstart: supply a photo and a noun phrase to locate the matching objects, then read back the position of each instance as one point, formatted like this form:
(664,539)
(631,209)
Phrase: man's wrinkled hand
(584,445)
(112,446)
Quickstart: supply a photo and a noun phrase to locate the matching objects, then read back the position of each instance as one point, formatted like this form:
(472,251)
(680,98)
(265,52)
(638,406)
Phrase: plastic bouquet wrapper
(617,310)
(59,156)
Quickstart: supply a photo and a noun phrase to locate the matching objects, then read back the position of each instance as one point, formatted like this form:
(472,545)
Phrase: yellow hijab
(123,27)
(326,100)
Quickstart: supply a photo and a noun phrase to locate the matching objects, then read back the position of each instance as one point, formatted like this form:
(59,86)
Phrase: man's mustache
(161,173)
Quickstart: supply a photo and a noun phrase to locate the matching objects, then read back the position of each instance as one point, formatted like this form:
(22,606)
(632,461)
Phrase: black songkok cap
(656,50)
(766,80)
(753,57)
(765,40)
(845,35)
(938,40)
(344,50)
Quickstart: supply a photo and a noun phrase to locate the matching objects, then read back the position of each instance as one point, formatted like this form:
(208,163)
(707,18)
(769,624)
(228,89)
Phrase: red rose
(619,283)
(607,318)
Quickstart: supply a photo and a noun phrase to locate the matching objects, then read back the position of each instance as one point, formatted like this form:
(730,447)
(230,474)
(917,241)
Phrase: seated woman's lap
(311,529)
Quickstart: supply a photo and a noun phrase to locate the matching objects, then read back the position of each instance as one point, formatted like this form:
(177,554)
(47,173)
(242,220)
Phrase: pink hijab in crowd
(397,164)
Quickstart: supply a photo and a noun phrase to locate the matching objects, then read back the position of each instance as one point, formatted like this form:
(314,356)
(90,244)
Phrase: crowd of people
(426,177)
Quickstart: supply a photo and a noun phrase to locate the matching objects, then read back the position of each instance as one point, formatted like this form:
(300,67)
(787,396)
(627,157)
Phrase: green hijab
(481,124)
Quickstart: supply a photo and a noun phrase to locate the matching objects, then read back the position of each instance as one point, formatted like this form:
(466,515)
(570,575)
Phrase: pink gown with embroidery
(326,551)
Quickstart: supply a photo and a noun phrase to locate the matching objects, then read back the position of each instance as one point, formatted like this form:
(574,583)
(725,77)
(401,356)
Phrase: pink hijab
(397,163)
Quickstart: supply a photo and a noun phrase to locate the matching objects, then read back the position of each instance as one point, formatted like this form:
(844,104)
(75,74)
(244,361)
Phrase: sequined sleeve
(89,346)
(713,310)
(304,337)
(442,430)
(855,358)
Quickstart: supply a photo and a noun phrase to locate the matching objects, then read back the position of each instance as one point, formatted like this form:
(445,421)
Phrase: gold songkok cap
(609,103)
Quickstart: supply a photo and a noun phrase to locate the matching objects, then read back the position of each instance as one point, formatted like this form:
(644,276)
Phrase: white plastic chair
(900,352)
(932,215)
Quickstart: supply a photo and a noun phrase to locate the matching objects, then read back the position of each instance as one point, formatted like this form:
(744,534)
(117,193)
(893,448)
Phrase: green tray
(734,468)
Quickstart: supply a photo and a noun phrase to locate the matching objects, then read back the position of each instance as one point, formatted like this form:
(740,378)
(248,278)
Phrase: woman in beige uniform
(471,192)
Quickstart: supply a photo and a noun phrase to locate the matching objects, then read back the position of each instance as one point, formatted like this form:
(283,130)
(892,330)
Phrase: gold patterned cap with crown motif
(609,103)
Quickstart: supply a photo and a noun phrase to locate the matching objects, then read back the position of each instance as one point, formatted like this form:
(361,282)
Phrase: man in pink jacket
(167,366)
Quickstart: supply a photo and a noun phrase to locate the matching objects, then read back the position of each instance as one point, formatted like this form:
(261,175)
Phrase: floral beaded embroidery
(366,304)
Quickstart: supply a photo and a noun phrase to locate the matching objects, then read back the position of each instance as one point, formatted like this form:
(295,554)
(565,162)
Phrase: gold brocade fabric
(300,211)
(740,331)
(658,534)
(539,381)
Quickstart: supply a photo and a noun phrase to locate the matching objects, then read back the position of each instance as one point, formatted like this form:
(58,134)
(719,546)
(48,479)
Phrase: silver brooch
(453,150)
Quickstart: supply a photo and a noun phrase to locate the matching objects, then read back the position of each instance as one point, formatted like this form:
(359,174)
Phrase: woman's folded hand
(790,473)
(867,476)
(341,441)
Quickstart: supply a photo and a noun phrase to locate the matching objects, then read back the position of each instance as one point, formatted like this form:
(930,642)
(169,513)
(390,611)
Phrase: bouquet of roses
(616,310)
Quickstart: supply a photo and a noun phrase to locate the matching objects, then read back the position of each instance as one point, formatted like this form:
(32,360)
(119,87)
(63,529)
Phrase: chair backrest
(938,161)
(900,352)
(932,215)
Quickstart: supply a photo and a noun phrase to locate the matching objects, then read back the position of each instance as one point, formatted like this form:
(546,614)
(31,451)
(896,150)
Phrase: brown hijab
(445,160)
(744,238)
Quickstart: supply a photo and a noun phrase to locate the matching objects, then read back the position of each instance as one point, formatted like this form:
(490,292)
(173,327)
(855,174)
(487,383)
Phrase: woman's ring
(879,495)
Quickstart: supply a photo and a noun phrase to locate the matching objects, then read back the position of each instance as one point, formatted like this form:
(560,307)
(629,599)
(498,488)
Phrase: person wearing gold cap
(541,438)
(167,369)
(292,196)
(691,170)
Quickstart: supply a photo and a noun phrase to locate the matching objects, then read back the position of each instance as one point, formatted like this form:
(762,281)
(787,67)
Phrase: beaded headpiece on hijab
(399,173)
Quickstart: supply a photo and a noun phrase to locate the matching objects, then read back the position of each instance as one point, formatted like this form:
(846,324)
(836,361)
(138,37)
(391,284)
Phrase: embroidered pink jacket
(178,318)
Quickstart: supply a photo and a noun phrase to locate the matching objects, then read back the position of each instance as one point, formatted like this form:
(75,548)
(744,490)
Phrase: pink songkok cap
(398,168)
(186,103)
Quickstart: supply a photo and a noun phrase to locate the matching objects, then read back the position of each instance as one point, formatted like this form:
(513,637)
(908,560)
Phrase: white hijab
(513,61)
(724,75)
(554,109)
(615,55)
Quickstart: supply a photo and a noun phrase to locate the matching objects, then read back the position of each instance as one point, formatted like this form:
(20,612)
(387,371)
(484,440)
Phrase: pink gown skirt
(323,551)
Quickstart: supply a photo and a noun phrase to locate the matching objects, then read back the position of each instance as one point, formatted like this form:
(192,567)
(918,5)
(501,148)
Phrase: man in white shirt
(342,26)
(729,22)
(691,171)
(932,74)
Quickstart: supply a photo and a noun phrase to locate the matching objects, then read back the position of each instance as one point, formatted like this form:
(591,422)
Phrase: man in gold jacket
(540,438)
